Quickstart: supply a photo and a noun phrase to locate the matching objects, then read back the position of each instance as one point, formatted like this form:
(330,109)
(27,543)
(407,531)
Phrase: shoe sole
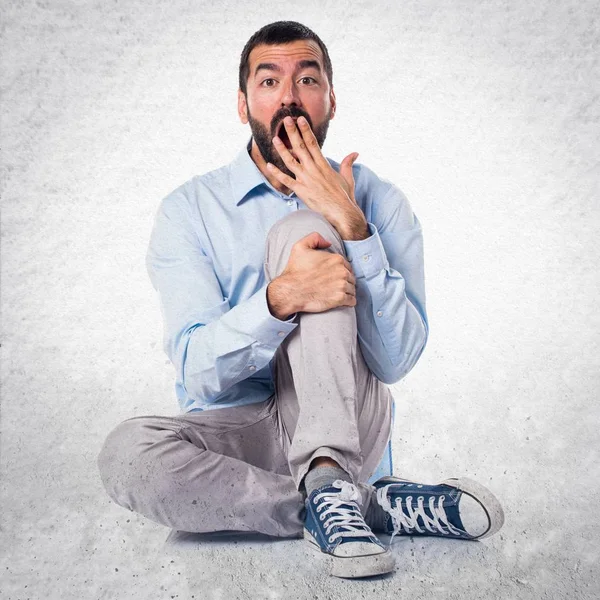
(353,567)
(478,492)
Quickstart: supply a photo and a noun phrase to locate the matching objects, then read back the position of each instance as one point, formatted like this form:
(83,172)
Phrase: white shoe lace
(351,518)
(409,520)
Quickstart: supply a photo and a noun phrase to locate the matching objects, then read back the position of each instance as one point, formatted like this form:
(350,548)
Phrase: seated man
(292,292)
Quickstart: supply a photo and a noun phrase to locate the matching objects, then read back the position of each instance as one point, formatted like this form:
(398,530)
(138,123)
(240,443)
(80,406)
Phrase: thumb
(346,168)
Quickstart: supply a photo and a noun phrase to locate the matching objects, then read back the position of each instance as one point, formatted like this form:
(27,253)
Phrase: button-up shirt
(206,260)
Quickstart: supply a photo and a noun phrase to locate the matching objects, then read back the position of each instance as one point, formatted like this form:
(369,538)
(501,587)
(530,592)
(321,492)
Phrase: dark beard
(264,137)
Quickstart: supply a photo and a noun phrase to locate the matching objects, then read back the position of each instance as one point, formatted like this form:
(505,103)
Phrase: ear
(242,107)
(333,102)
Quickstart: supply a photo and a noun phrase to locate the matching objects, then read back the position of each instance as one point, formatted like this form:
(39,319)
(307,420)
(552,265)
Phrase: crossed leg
(241,468)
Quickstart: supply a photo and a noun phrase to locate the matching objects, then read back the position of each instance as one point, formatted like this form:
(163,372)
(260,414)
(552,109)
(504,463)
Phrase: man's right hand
(316,281)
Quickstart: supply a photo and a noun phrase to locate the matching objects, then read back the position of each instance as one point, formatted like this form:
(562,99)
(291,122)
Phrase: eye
(269,79)
(311,78)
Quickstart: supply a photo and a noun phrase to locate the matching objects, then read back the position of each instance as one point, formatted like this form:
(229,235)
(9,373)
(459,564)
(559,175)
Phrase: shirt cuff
(367,256)
(258,322)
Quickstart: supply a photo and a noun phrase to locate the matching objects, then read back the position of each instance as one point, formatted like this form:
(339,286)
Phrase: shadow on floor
(185,538)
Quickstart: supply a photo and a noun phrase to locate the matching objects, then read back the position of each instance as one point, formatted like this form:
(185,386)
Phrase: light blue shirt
(206,260)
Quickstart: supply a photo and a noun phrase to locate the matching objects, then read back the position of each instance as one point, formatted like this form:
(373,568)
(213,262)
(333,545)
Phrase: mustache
(289,112)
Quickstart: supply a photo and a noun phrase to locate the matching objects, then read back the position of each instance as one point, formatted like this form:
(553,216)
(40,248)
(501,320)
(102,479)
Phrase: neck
(260,162)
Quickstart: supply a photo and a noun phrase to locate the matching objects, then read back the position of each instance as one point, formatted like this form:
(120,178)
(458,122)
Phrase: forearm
(391,331)
(212,357)
(391,315)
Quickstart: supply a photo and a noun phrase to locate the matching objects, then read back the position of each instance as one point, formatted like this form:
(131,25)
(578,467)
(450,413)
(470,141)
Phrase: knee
(293,227)
(300,223)
(122,460)
(140,454)
(116,452)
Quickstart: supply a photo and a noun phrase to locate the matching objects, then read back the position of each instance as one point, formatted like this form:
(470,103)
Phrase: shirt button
(281,333)
(366,257)
(252,368)
(290,202)
(379,313)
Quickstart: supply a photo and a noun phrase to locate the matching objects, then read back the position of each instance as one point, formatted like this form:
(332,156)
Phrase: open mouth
(283,136)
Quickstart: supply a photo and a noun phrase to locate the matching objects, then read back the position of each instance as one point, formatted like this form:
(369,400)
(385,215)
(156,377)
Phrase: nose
(290,94)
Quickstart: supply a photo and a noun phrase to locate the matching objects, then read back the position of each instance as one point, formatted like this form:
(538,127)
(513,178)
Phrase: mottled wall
(486,114)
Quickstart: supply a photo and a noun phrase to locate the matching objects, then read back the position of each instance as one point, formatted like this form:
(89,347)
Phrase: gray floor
(485,113)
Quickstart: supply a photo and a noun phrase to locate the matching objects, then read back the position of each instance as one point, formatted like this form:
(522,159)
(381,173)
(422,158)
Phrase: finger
(288,181)
(311,143)
(349,276)
(292,164)
(297,140)
(350,300)
(346,169)
(347,265)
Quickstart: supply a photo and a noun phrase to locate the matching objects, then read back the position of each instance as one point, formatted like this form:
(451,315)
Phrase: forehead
(285,53)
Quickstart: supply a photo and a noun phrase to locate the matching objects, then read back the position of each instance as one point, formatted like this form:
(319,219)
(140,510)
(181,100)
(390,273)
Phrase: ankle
(323,461)
(321,476)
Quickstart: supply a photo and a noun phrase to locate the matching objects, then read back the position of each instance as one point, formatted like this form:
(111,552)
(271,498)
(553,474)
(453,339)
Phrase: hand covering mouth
(283,136)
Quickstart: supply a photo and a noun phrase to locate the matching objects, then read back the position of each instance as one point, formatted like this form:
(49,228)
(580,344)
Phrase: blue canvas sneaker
(455,508)
(335,525)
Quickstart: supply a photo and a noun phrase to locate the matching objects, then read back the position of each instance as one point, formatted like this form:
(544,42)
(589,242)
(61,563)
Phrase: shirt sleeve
(390,288)
(212,345)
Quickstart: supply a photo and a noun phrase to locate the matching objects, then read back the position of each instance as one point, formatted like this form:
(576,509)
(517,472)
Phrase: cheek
(318,109)
(263,115)
(262,102)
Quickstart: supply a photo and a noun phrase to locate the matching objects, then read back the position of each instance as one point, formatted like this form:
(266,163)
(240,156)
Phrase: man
(292,291)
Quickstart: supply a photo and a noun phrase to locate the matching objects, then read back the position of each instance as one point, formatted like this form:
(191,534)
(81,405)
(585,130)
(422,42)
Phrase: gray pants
(241,468)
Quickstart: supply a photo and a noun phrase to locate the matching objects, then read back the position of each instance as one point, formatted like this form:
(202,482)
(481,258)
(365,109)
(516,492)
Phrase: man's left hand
(317,184)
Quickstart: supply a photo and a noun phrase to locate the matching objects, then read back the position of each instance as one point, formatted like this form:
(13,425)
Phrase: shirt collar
(245,175)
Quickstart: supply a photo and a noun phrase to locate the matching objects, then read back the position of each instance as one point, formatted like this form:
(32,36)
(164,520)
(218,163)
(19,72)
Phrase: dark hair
(280,32)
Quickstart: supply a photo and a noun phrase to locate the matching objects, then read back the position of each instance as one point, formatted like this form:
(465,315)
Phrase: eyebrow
(303,64)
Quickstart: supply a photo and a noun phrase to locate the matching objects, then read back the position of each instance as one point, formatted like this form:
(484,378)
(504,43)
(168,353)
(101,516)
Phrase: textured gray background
(485,113)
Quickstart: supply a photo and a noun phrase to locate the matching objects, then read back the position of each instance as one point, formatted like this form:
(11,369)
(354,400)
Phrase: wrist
(353,227)
(280,299)
(354,234)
